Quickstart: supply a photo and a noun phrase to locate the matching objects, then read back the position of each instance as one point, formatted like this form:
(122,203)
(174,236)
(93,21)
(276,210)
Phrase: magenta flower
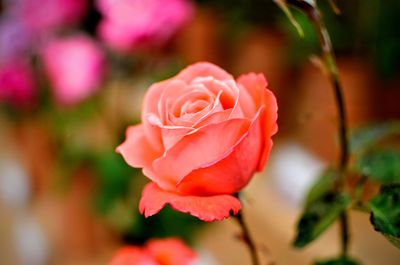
(131,24)
(75,68)
(17,84)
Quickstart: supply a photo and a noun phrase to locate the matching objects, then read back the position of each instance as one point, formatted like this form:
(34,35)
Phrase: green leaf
(319,215)
(337,261)
(323,184)
(385,212)
(365,137)
(114,179)
(380,165)
(285,8)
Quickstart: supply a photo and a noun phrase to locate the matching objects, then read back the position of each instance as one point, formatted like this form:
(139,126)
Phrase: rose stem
(247,238)
(325,42)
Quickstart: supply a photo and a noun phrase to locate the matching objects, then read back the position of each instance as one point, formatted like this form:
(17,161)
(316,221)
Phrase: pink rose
(41,16)
(170,251)
(129,24)
(17,84)
(203,136)
(75,67)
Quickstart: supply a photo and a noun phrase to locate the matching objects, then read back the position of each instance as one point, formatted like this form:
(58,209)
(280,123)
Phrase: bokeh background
(72,77)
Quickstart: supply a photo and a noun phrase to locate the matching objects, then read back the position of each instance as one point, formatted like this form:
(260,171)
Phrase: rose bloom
(75,67)
(203,135)
(17,84)
(130,24)
(170,251)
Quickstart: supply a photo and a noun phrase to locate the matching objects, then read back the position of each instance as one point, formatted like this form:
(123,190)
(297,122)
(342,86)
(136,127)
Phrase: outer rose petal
(136,150)
(202,69)
(210,208)
(199,149)
(270,125)
(132,256)
(171,251)
(232,172)
(256,85)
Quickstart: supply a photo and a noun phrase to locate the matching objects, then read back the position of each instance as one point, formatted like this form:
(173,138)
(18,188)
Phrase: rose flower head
(170,251)
(203,136)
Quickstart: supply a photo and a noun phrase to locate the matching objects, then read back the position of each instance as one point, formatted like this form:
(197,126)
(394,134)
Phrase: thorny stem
(247,238)
(311,10)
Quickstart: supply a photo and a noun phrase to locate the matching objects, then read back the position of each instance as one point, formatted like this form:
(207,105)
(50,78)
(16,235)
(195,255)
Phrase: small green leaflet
(385,213)
(319,215)
(380,165)
(323,184)
(363,138)
(285,8)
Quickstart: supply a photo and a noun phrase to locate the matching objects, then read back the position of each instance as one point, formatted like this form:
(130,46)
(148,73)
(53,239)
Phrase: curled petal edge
(206,208)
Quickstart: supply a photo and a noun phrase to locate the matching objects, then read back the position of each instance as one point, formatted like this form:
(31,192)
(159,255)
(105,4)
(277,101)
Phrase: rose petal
(137,152)
(171,92)
(232,172)
(256,85)
(136,149)
(246,103)
(199,148)
(132,255)
(202,69)
(211,208)
(151,108)
(270,126)
(171,251)
(171,136)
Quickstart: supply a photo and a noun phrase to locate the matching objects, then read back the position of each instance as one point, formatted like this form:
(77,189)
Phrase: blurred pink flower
(75,67)
(130,24)
(169,251)
(41,16)
(17,84)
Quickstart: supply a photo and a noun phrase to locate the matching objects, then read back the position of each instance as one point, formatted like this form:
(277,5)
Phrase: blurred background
(72,77)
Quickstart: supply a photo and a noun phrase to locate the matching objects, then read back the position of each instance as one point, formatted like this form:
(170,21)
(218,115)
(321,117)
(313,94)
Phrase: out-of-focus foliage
(323,185)
(319,215)
(365,137)
(166,223)
(385,213)
(114,180)
(380,165)
(364,28)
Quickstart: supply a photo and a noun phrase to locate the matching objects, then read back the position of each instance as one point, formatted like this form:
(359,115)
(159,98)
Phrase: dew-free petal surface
(210,208)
